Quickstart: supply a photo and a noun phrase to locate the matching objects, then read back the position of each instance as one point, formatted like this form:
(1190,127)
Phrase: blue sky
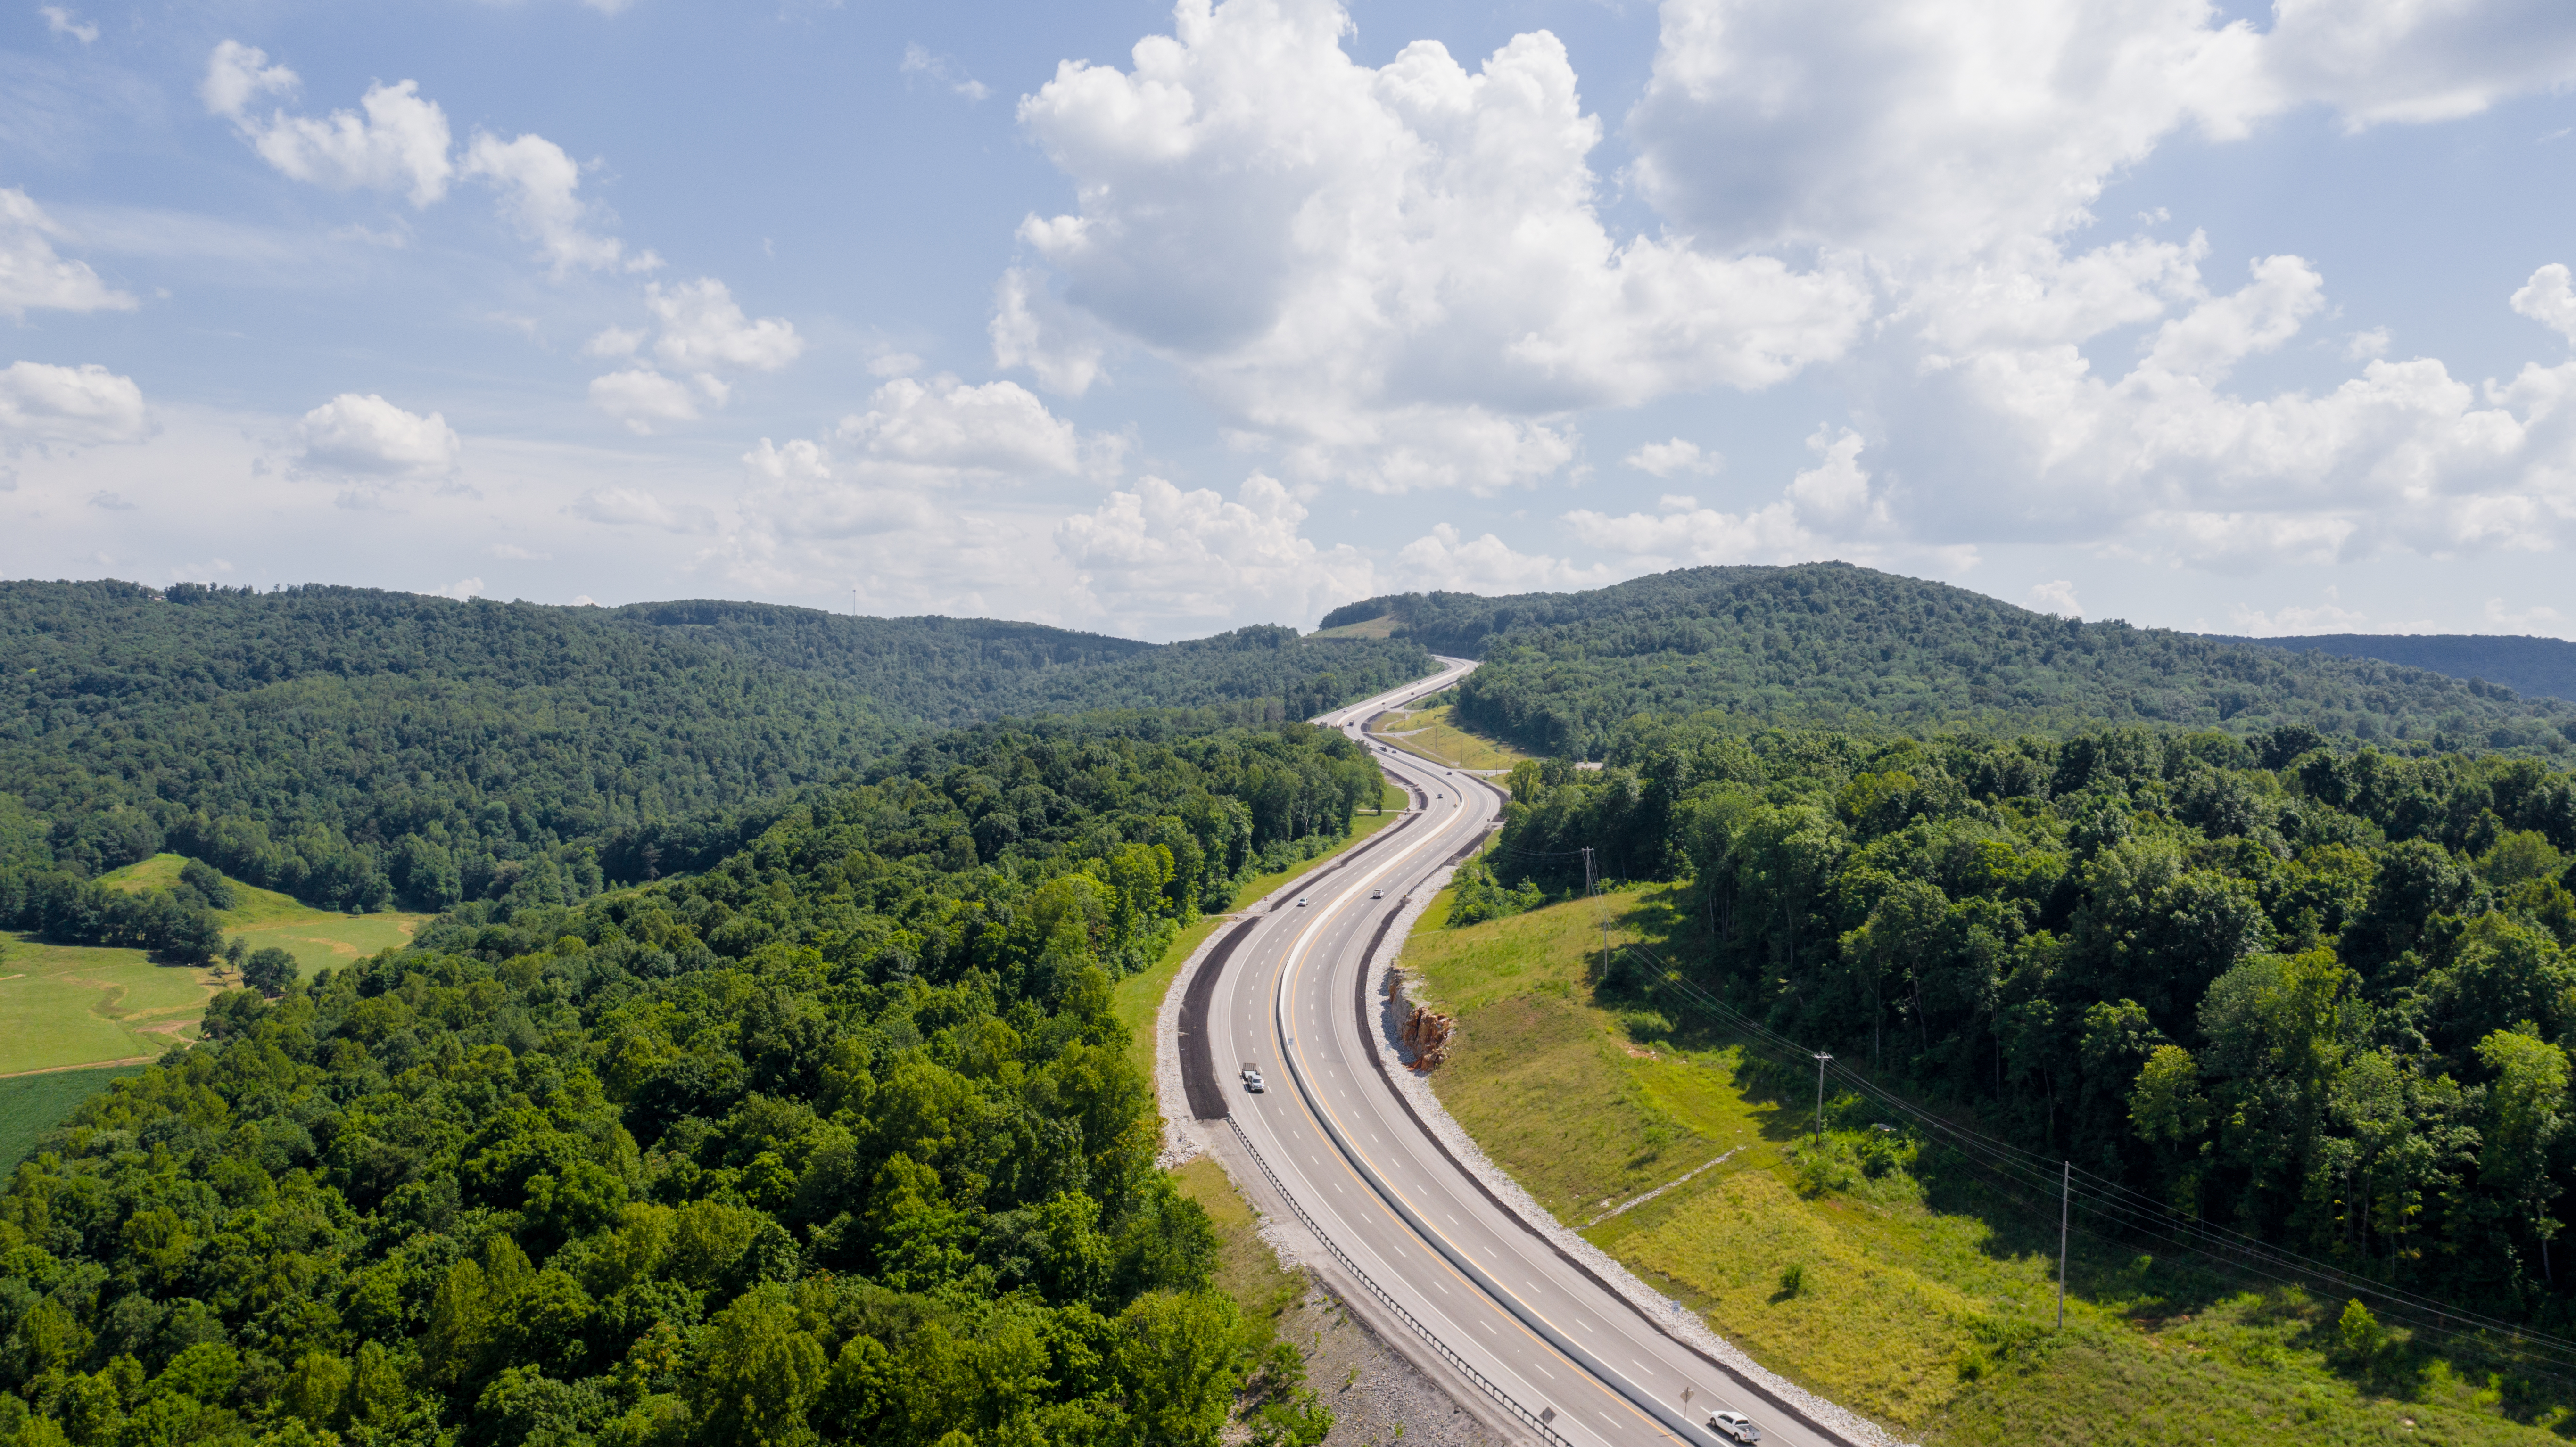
(1161,321)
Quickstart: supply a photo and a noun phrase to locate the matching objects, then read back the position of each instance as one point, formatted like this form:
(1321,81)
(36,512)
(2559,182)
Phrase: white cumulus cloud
(540,188)
(1445,558)
(2056,596)
(1370,263)
(1666,459)
(999,427)
(702,326)
(1159,556)
(643,399)
(41,403)
(32,275)
(2547,299)
(394,141)
(367,437)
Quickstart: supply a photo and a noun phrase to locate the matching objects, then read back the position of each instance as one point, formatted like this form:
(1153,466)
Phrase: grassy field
(319,939)
(73,1005)
(1918,1304)
(31,1105)
(1433,735)
(1367,628)
(64,1006)
(1139,997)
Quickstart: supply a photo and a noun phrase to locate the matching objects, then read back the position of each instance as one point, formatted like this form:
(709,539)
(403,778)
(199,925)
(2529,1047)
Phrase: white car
(1301,904)
(1734,1425)
(1377,894)
(1252,1080)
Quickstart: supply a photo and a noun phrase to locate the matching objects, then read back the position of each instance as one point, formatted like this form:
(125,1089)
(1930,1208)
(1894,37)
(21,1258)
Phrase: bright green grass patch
(319,939)
(1443,742)
(1936,1319)
(67,1005)
(31,1105)
(1138,999)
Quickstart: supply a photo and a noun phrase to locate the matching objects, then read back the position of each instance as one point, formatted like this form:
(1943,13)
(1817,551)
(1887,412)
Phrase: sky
(1161,320)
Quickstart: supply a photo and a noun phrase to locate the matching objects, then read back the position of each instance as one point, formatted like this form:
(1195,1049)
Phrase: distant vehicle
(1735,1425)
(1252,1082)
(1377,894)
(1301,904)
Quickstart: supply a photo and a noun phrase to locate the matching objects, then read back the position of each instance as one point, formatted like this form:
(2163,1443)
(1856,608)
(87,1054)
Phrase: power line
(2023,1182)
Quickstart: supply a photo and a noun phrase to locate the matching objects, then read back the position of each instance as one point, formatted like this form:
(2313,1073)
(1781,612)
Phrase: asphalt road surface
(1294,998)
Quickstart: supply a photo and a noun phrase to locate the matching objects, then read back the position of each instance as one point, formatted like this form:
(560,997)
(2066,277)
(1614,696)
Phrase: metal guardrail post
(1483,1383)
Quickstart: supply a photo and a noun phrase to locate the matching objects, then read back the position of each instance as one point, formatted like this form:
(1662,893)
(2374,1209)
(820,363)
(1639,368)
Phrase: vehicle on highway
(1301,904)
(1734,1425)
(1377,894)
(1252,1082)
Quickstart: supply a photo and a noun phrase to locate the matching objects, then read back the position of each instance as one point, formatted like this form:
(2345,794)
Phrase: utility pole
(1821,1058)
(2065,1201)
(1591,889)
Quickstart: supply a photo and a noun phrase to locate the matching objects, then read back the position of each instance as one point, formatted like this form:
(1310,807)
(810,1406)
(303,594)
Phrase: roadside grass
(1443,742)
(73,1005)
(1139,997)
(1246,1268)
(31,1105)
(1928,1305)
(319,939)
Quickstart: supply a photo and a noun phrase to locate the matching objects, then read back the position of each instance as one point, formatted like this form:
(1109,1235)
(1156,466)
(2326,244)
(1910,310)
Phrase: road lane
(1296,1000)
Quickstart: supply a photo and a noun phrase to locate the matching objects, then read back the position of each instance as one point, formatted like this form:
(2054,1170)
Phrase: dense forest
(1833,645)
(2323,995)
(359,749)
(2524,664)
(836,1141)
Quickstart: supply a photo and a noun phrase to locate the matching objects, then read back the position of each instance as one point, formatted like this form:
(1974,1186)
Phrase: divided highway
(1294,992)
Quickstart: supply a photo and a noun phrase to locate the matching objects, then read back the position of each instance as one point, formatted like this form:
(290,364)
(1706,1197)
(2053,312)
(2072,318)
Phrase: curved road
(1291,993)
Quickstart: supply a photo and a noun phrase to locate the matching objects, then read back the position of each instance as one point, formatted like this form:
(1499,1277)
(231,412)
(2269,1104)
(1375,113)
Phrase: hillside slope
(1829,643)
(2522,663)
(356,747)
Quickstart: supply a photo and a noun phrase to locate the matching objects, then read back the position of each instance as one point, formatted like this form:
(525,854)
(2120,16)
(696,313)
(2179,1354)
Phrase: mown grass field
(1928,1309)
(31,1105)
(1434,735)
(64,1006)
(319,939)
(71,1005)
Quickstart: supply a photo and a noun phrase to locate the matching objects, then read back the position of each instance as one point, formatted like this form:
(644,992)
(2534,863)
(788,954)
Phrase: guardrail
(1485,1384)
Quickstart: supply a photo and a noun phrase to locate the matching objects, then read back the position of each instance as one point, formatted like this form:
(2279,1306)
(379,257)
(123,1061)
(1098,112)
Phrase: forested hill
(841,1141)
(1829,643)
(360,748)
(2521,663)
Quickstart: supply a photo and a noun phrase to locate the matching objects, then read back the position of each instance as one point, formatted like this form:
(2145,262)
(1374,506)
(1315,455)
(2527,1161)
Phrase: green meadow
(68,1006)
(1915,1302)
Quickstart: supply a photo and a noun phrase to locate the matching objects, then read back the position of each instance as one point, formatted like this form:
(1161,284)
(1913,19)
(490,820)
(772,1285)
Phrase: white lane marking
(1487,1325)
(1544,1372)
(1641,1366)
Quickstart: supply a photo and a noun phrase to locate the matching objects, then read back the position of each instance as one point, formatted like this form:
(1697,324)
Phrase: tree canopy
(359,749)
(2326,996)
(837,1141)
(1829,644)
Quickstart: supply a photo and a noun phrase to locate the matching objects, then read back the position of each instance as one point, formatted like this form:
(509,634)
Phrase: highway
(1297,993)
